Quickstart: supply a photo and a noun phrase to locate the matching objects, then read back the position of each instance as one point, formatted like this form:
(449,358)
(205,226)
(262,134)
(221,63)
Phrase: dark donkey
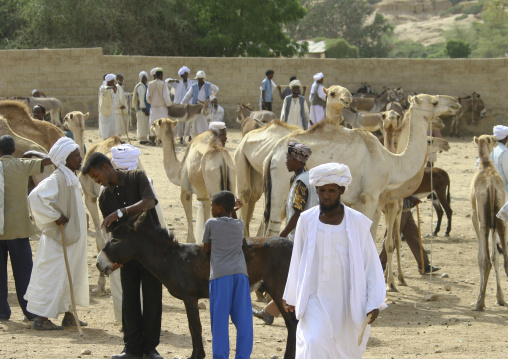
(185,269)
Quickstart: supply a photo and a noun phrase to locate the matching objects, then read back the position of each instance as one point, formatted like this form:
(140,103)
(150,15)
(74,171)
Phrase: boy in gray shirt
(229,283)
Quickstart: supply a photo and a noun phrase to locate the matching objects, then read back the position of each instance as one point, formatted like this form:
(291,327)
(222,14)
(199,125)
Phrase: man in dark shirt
(127,193)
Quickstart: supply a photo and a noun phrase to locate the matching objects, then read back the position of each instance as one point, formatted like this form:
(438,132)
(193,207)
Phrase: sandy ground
(409,328)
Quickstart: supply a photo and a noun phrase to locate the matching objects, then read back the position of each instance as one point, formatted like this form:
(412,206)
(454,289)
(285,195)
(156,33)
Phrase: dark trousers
(409,229)
(141,329)
(21,261)
(267,106)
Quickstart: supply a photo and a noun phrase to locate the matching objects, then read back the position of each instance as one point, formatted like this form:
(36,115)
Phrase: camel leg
(91,205)
(191,306)
(396,226)
(389,246)
(251,197)
(186,199)
(494,258)
(55,117)
(485,266)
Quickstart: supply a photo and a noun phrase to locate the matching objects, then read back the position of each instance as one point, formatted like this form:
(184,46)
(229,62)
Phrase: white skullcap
(295,83)
(157,69)
(152,72)
(318,76)
(217,126)
(58,155)
(34,91)
(500,132)
(125,156)
(200,75)
(183,70)
(110,77)
(212,97)
(141,74)
(330,173)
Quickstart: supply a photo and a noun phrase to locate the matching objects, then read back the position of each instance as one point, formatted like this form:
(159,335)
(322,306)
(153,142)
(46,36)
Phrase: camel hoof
(391,288)
(403,283)
(99,290)
(502,303)
(435,234)
(478,307)
(447,235)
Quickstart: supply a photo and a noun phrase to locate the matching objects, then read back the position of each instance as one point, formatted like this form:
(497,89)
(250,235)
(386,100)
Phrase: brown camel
(472,110)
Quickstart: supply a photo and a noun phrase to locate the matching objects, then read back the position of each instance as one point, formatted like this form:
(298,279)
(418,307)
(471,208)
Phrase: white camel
(374,169)
(206,168)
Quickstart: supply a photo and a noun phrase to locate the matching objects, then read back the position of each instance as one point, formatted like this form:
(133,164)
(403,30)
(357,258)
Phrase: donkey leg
(291,324)
(439,213)
(191,306)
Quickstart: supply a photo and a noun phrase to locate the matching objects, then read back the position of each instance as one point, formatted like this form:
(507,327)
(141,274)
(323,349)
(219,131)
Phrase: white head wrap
(141,74)
(152,72)
(183,70)
(318,76)
(217,125)
(295,83)
(34,91)
(110,77)
(500,132)
(330,173)
(58,155)
(125,156)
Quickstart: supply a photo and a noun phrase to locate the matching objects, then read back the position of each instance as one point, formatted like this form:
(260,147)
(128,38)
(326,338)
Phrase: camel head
(164,126)
(439,105)
(338,97)
(75,121)
(437,144)
(486,144)
(391,120)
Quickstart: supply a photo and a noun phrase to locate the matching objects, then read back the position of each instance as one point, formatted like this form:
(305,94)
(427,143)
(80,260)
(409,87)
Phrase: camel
(75,122)
(487,197)
(369,121)
(251,120)
(374,104)
(18,117)
(205,169)
(472,110)
(374,169)
(257,145)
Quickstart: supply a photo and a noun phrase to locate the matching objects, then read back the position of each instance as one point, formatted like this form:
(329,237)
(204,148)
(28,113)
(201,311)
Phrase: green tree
(11,20)
(458,49)
(340,49)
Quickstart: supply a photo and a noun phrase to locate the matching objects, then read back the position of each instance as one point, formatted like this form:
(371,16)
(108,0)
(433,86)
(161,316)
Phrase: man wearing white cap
(37,93)
(181,88)
(158,97)
(107,93)
(142,108)
(335,278)
(294,108)
(121,111)
(201,91)
(58,200)
(499,155)
(216,110)
(219,129)
(317,100)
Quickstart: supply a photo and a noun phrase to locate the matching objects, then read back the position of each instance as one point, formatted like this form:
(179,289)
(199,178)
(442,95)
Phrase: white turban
(217,125)
(500,132)
(183,70)
(141,74)
(330,173)
(318,76)
(152,72)
(295,83)
(125,156)
(58,155)
(34,91)
(110,77)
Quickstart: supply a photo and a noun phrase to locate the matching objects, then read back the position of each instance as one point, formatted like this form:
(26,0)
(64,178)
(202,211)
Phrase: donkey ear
(137,221)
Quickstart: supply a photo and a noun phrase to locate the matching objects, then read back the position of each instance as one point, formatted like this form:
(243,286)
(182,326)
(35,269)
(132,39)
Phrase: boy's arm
(207,245)
(207,248)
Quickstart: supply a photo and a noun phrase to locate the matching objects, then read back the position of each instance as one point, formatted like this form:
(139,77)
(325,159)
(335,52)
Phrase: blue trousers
(21,261)
(230,295)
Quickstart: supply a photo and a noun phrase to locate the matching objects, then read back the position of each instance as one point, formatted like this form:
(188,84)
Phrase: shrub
(474,9)
(458,49)
(341,49)
(454,10)
(461,17)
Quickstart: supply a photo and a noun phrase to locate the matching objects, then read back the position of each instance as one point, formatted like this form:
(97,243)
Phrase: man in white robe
(58,200)
(158,97)
(142,108)
(121,110)
(200,91)
(181,88)
(294,108)
(335,279)
(216,111)
(499,155)
(317,100)
(107,107)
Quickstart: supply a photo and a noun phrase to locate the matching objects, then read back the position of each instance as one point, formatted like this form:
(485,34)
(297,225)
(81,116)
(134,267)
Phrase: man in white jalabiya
(499,155)
(142,108)
(201,91)
(335,279)
(181,88)
(317,100)
(294,108)
(159,99)
(107,93)
(121,110)
(216,110)
(58,200)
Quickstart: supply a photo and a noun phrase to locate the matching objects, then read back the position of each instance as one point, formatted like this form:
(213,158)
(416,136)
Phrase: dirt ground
(409,328)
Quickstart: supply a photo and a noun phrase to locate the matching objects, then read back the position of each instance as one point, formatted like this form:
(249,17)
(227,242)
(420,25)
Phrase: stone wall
(74,76)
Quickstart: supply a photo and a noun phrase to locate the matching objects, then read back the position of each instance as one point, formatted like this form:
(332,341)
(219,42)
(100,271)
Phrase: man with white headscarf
(107,93)
(181,88)
(158,97)
(58,200)
(142,108)
(121,110)
(499,155)
(335,278)
(294,108)
(216,110)
(317,100)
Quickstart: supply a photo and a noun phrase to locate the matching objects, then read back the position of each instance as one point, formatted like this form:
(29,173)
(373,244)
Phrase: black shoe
(428,269)
(153,354)
(261,314)
(125,355)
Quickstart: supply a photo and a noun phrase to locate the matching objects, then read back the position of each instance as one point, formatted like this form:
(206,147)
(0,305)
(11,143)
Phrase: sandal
(66,322)
(45,325)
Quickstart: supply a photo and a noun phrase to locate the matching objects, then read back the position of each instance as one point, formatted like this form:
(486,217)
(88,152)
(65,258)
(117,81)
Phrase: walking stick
(362,331)
(76,319)
(422,269)
(125,126)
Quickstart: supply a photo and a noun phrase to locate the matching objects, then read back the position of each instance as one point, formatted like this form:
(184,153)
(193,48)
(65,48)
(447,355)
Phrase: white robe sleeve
(291,290)
(166,95)
(321,93)
(283,111)
(148,95)
(141,96)
(187,96)
(40,200)
(306,111)
(213,90)
(376,290)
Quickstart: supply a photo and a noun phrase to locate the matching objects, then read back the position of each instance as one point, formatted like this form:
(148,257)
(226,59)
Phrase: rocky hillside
(420,20)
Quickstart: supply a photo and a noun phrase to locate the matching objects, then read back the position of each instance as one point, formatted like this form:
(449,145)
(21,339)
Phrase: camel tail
(448,198)
(224,176)
(490,214)
(267,187)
